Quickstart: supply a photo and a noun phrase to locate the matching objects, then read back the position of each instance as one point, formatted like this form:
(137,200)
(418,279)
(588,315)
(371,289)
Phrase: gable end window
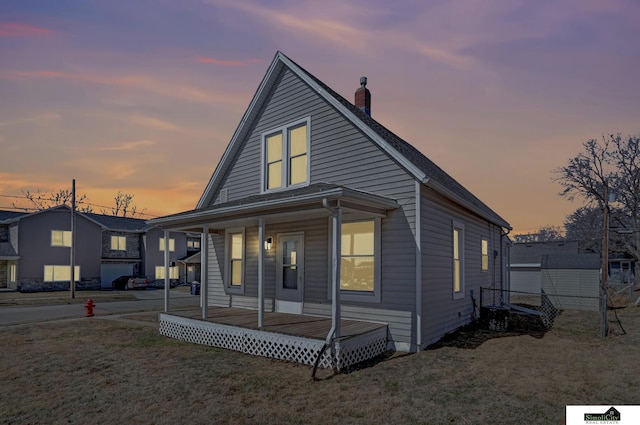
(118,243)
(285,156)
(458,260)
(61,238)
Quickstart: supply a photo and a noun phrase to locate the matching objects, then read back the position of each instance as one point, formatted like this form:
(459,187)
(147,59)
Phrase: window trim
(484,243)
(284,131)
(76,275)
(119,238)
(172,241)
(64,233)
(456,225)
(234,289)
(172,269)
(361,296)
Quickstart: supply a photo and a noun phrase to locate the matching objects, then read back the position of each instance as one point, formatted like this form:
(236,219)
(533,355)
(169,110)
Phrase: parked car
(130,282)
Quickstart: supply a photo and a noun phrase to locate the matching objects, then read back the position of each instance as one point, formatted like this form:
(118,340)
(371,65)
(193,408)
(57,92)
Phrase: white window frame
(66,238)
(361,296)
(283,130)
(484,256)
(173,272)
(13,272)
(172,244)
(459,261)
(234,289)
(51,269)
(120,243)
(193,244)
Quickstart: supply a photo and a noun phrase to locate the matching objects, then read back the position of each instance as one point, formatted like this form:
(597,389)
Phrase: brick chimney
(363,97)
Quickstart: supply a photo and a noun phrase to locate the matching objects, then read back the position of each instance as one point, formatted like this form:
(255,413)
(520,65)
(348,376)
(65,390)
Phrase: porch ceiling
(291,205)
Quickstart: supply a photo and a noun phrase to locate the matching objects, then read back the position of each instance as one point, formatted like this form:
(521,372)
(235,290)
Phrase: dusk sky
(143,96)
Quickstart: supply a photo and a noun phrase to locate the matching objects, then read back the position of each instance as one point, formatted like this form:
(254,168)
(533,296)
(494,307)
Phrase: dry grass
(111,372)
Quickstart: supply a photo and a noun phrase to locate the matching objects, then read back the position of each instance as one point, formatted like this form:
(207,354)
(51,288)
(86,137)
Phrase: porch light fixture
(268,243)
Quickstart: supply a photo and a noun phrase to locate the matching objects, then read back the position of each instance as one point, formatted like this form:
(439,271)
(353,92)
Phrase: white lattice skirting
(349,350)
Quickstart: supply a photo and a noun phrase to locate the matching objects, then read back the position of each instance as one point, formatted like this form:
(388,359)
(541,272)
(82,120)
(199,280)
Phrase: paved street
(147,300)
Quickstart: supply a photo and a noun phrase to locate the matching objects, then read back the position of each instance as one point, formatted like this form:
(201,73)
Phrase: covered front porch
(291,337)
(244,278)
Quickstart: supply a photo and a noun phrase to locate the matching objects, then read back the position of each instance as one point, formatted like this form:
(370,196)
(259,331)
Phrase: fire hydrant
(89,307)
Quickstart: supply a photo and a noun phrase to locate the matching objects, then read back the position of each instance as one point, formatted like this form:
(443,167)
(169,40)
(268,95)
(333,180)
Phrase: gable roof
(415,162)
(532,252)
(106,222)
(8,215)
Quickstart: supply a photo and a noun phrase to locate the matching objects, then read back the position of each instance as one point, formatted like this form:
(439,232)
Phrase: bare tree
(123,206)
(544,234)
(611,166)
(40,200)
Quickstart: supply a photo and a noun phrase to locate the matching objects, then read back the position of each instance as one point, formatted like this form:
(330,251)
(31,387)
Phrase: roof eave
(497,220)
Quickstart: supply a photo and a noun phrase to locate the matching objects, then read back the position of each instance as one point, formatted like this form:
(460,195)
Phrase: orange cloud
(144,83)
(17,29)
(223,62)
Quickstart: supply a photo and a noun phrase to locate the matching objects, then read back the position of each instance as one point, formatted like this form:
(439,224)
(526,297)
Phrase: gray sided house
(316,209)
(35,250)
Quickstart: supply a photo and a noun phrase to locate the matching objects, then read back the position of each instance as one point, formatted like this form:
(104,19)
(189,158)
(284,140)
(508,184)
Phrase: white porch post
(260,272)
(335,272)
(167,281)
(204,270)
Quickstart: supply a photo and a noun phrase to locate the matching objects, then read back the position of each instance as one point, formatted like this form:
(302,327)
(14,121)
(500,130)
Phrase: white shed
(572,282)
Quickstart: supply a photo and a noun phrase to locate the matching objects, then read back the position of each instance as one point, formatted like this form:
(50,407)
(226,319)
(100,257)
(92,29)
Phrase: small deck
(291,337)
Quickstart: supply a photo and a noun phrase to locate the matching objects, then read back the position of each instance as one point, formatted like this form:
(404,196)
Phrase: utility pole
(72,261)
(605,259)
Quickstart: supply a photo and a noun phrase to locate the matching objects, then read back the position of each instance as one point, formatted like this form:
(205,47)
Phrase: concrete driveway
(144,301)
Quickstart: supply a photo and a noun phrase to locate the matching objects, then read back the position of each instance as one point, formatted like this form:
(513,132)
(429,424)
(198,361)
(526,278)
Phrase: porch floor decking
(313,327)
(292,337)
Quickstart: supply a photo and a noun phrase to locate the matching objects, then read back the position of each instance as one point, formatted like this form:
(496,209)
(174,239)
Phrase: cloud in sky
(18,29)
(129,146)
(223,62)
(496,93)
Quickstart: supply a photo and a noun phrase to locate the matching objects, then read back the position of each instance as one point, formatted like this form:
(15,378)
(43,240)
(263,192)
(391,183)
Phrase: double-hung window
(234,271)
(61,238)
(118,243)
(285,153)
(172,244)
(61,273)
(458,260)
(360,260)
(173,272)
(485,255)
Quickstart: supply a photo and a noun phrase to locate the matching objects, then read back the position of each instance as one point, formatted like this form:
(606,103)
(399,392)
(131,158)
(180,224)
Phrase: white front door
(290,273)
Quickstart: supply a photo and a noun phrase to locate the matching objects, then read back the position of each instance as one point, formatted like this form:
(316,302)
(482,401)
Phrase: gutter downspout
(335,330)
(167,278)
(204,271)
(418,241)
(260,272)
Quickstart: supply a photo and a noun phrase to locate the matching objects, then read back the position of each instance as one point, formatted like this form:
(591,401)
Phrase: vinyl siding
(442,313)
(339,154)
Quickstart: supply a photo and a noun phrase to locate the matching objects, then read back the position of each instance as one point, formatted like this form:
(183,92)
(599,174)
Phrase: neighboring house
(317,209)
(35,250)
(526,260)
